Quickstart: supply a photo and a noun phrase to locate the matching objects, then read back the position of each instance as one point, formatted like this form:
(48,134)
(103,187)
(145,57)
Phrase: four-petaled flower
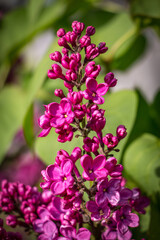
(94,91)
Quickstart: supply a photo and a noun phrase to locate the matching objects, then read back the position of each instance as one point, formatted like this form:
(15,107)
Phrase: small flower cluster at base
(8,235)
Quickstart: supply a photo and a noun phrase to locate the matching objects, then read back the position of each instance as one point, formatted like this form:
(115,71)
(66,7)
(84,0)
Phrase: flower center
(65,115)
(93,94)
(90,171)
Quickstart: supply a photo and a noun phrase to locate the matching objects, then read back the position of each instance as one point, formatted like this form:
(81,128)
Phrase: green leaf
(146,8)
(154,230)
(120,109)
(12,100)
(141,162)
(131,50)
(155,114)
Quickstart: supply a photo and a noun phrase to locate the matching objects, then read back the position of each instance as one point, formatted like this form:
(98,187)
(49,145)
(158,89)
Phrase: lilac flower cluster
(97,196)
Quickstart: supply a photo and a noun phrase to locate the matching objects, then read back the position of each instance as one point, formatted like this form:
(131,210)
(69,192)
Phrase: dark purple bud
(110,80)
(90,31)
(59,93)
(61,32)
(121,132)
(85,41)
(102,47)
(56,56)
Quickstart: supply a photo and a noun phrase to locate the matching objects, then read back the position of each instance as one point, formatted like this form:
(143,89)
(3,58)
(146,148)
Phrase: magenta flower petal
(83,233)
(67,167)
(65,105)
(50,228)
(91,84)
(92,206)
(53,108)
(134,220)
(58,187)
(98,99)
(99,162)
(86,162)
(68,231)
(102,88)
(54,172)
(44,132)
(57,122)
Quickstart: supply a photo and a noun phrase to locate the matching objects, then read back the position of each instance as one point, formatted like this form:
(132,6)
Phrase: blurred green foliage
(122,30)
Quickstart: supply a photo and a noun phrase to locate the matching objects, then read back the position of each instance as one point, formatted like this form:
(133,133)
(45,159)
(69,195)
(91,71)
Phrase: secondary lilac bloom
(94,91)
(70,233)
(138,201)
(60,176)
(60,113)
(98,212)
(113,233)
(91,145)
(108,191)
(125,218)
(93,168)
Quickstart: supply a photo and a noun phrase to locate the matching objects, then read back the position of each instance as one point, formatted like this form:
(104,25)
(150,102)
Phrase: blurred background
(131,30)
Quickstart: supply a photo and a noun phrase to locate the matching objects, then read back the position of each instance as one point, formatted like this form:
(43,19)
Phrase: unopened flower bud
(78,27)
(71,76)
(56,56)
(110,80)
(61,32)
(102,47)
(90,31)
(59,93)
(121,131)
(85,41)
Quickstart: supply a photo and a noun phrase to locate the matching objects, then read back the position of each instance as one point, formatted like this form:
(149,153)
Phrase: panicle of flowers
(109,205)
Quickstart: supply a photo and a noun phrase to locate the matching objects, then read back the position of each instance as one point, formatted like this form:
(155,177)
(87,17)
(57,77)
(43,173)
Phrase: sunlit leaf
(142,163)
